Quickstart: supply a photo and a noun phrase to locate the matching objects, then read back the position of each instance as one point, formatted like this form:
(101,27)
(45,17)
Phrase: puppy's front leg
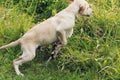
(69,32)
(62,37)
(62,41)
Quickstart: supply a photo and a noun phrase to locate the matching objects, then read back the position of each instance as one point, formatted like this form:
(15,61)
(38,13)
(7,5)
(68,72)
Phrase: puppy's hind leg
(28,55)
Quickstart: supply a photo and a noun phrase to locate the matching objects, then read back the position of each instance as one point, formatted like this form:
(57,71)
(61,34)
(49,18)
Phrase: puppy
(58,27)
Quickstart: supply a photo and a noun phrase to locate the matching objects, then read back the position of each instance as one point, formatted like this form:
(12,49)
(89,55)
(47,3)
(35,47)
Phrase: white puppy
(58,27)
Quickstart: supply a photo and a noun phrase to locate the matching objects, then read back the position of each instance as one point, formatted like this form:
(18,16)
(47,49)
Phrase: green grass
(92,53)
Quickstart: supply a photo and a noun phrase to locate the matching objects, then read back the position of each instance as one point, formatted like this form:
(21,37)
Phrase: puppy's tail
(10,44)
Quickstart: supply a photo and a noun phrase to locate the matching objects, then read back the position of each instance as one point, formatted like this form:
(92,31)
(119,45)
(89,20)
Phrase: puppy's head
(84,7)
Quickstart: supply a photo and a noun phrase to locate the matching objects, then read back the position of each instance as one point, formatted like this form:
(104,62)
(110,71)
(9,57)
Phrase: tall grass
(92,53)
(94,47)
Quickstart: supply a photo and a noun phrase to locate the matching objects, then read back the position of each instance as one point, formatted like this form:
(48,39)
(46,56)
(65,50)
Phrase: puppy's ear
(70,1)
(81,9)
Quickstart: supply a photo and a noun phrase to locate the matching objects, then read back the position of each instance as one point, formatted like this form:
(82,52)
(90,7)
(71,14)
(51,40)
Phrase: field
(92,53)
